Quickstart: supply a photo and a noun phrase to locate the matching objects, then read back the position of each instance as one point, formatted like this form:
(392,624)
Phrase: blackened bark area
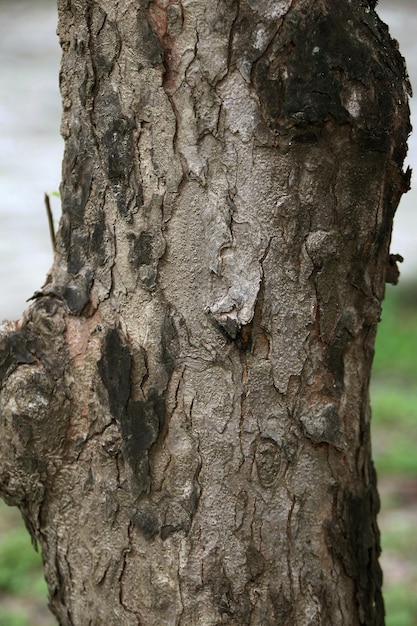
(140,421)
(315,60)
(354,538)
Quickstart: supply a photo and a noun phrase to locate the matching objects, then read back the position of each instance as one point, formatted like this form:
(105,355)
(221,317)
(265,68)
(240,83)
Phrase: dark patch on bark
(146,519)
(118,144)
(376,140)
(295,79)
(76,294)
(77,252)
(355,540)
(32,343)
(80,247)
(147,39)
(301,77)
(142,255)
(17,350)
(77,176)
(97,245)
(114,368)
(141,423)
(139,196)
(306,137)
(140,427)
(141,249)
(335,357)
(244,337)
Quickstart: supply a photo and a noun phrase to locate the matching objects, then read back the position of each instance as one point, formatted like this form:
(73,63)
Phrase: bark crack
(232,33)
(123,572)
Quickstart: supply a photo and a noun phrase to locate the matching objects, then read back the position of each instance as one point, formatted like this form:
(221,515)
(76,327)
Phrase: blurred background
(30,165)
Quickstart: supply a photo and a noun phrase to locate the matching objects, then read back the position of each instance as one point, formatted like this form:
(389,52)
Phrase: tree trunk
(185,421)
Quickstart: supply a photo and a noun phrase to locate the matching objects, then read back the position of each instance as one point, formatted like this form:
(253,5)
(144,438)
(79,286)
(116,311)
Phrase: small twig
(50,221)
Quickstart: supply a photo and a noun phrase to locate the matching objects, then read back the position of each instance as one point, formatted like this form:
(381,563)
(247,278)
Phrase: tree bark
(184,406)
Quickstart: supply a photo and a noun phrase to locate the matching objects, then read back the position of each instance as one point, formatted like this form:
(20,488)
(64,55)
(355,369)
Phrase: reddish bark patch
(158,17)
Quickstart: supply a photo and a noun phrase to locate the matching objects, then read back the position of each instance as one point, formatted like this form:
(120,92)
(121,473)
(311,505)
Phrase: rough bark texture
(184,406)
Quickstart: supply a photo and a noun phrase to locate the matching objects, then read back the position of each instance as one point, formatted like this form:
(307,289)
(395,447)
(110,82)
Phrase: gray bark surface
(184,407)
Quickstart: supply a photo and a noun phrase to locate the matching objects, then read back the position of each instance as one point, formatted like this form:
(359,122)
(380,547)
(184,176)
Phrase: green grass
(394,384)
(394,413)
(394,435)
(394,404)
(396,342)
(21,570)
(23,590)
(401,604)
(13,618)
